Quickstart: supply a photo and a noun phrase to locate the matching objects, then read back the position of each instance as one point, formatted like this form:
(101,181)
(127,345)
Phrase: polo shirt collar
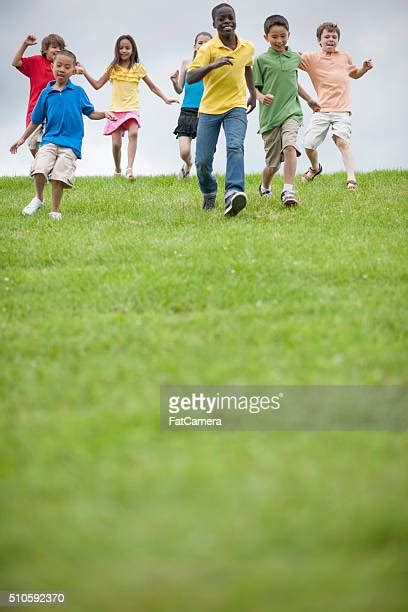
(69,85)
(218,42)
(325,54)
(286,53)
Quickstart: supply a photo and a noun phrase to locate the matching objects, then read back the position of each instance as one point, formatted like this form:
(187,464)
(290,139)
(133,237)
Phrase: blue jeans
(234,123)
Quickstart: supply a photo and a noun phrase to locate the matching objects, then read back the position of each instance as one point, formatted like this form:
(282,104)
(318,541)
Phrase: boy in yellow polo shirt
(225,65)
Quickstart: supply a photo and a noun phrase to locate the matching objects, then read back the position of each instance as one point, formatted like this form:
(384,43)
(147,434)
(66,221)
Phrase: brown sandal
(351,185)
(310,174)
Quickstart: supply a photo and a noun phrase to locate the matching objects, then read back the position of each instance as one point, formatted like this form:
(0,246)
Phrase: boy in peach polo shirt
(330,71)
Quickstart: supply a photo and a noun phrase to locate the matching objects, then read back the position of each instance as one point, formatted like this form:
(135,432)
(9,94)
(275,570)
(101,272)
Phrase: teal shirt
(276,73)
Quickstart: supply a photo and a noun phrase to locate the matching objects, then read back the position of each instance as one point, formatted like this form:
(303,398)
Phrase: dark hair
(202,34)
(68,54)
(329,26)
(275,20)
(51,39)
(134,58)
(216,8)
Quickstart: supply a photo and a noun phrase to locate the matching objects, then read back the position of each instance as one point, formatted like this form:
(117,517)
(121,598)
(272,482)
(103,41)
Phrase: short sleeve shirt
(225,87)
(38,69)
(330,75)
(276,73)
(63,112)
(125,83)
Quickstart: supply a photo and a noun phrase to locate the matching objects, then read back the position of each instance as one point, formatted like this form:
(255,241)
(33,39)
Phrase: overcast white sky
(164,32)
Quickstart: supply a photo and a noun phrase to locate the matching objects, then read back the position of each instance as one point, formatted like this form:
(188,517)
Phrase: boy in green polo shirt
(280,113)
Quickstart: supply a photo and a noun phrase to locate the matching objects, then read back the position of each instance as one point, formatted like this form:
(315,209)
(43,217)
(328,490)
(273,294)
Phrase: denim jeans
(234,123)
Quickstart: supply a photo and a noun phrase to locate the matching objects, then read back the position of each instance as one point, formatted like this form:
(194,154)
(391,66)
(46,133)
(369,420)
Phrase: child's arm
(96,83)
(102,115)
(17,59)
(177,78)
(315,106)
(193,76)
(264,98)
(357,73)
(249,78)
(27,132)
(158,92)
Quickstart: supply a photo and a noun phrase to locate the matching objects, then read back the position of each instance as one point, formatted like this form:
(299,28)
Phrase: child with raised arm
(125,72)
(61,105)
(280,113)
(186,129)
(330,71)
(38,68)
(225,65)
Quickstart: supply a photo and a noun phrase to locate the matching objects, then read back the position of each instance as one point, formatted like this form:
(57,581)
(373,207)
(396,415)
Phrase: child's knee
(340,142)
(272,169)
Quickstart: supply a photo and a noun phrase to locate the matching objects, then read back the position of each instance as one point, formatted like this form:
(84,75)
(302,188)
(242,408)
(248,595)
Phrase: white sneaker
(129,174)
(32,207)
(55,215)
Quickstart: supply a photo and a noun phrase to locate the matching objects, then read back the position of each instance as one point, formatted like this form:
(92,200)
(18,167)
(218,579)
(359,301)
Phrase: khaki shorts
(34,141)
(320,124)
(277,139)
(55,163)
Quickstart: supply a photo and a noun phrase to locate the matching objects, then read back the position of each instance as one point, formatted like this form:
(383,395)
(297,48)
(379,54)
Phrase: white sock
(265,189)
(287,187)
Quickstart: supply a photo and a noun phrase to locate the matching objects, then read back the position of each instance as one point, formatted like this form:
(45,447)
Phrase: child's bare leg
(290,163)
(267,175)
(57,191)
(132,144)
(313,158)
(39,181)
(347,156)
(185,150)
(117,148)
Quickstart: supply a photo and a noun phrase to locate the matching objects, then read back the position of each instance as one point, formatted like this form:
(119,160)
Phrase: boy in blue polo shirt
(62,105)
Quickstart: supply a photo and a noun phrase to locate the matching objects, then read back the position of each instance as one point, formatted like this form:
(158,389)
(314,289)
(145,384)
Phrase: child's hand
(367,65)
(79,69)
(266,99)
(30,40)
(315,106)
(14,147)
(110,116)
(171,101)
(174,77)
(222,61)
(251,103)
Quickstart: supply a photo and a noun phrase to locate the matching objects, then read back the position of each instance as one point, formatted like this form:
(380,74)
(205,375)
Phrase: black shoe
(209,202)
(234,204)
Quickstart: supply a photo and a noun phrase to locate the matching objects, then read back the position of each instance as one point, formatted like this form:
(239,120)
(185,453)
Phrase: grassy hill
(137,287)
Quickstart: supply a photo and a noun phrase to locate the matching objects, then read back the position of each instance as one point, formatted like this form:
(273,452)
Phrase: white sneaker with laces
(32,207)
(55,215)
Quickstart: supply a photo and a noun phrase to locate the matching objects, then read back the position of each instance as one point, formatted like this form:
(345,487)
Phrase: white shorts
(320,124)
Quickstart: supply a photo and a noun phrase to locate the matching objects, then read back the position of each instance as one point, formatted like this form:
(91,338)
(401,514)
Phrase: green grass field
(137,287)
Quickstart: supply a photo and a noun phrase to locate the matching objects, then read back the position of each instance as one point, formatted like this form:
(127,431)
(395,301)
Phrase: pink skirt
(123,120)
